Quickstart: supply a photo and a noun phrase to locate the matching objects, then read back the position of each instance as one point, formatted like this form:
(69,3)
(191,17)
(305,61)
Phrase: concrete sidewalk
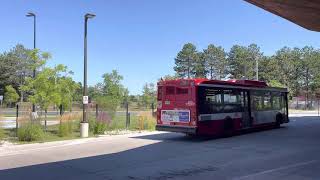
(70,149)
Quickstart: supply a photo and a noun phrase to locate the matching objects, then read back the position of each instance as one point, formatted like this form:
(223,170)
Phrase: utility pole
(244,77)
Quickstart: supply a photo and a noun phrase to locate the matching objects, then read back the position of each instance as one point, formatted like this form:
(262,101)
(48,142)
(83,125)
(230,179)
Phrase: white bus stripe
(219,116)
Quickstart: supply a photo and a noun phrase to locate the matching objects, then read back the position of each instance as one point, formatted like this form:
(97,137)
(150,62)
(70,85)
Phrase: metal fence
(125,117)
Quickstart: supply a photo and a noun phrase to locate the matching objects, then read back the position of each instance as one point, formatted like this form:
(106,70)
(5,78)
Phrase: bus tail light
(193,122)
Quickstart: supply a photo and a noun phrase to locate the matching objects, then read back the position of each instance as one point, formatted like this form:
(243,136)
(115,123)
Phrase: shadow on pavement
(183,137)
(175,156)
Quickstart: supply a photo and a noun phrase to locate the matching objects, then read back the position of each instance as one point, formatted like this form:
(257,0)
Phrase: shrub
(2,135)
(97,126)
(76,125)
(71,116)
(104,117)
(100,127)
(144,121)
(151,124)
(92,124)
(30,132)
(65,129)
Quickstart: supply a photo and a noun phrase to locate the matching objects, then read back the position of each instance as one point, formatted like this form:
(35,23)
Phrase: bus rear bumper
(181,129)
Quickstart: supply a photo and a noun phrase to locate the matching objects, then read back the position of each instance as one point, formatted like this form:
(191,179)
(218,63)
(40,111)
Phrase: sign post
(84,125)
(1,99)
(318,99)
(85,99)
(17,119)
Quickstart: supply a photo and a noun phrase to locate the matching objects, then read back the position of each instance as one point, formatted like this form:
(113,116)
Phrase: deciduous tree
(10,95)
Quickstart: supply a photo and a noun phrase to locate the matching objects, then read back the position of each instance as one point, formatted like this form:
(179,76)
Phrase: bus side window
(267,101)
(276,105)
(213,96)
(283,103)
(212,101)
(256,101)
(232,101)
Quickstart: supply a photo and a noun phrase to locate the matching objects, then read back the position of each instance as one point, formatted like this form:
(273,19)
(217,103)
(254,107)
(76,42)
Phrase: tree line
(294,68)
(54,86)
(298,69)
(111,94)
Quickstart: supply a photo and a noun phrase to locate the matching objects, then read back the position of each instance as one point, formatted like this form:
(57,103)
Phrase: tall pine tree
(216,62)
(185,61)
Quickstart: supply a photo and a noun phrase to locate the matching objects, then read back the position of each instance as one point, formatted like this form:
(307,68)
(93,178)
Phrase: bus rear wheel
(279,120)
(228,127)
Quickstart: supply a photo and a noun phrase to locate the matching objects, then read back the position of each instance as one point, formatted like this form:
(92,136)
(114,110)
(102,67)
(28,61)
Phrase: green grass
(119,123)
(66,129)
(9,115)
(54,133)
(2,134)
(30,132)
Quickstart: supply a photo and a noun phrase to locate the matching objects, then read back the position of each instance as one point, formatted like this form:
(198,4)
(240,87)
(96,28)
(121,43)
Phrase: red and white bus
(213,107)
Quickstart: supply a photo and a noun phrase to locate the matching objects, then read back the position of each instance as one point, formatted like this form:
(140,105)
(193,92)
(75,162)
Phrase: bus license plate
(175,115)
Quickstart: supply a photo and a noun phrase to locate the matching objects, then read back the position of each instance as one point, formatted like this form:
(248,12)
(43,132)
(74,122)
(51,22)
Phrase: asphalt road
(291,152)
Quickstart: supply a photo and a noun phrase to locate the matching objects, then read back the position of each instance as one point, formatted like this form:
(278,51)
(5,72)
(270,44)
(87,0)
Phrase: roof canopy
(305,13)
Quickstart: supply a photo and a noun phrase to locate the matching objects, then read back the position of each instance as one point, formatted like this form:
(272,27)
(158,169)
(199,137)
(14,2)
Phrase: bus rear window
(182,90)
(160,93)
(170,90)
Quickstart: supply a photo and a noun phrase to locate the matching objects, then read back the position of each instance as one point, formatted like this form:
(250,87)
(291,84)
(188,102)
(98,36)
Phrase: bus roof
(245,84)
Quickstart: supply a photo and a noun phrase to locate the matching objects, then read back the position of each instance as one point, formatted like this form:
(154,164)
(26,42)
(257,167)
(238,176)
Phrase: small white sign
(85,99)
(1,97)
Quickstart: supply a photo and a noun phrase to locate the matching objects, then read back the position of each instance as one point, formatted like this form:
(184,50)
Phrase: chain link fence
(127,117)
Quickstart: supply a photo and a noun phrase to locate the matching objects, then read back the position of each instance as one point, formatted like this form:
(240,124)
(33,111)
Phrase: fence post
(141,123)
(17,120)
(61,109)
(318,107)
(97,111)
(127,115)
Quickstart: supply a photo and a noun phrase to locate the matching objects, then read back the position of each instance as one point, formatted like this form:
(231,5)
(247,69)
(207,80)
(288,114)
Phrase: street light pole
(257,69)
(84,124)
(188,67)
(84,117)
(30,14)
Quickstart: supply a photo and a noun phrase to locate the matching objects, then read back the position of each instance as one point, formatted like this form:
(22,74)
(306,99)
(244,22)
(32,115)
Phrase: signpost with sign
(85,99)
(1,99)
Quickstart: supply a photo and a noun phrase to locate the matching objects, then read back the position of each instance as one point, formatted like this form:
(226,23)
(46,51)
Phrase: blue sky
(140,38)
